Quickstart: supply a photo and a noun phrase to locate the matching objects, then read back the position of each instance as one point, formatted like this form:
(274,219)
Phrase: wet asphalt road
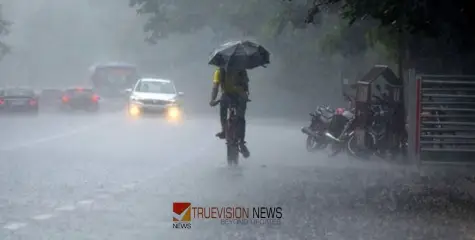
(108,177)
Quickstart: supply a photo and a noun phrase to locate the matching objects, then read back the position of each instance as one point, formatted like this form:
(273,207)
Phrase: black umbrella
(240,55)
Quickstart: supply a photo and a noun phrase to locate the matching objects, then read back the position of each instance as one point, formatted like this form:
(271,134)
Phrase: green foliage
(4,30)
(348,40)
(448,21)
(381,37)
(265,19)
(268,18)
(166,17)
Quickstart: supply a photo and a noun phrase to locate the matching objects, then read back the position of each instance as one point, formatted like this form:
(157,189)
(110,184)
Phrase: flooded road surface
(107,177)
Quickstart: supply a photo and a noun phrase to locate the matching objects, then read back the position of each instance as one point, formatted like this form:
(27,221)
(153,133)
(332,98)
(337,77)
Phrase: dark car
(80,99)
(50,98)
(18,100)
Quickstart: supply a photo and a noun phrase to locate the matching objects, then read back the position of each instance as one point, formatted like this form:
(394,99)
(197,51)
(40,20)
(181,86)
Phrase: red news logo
(182,215)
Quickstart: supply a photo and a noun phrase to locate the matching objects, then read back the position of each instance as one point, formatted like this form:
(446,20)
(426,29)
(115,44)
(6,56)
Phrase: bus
(111,79)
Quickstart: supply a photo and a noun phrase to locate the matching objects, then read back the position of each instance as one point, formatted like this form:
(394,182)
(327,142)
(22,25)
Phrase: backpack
(237,82)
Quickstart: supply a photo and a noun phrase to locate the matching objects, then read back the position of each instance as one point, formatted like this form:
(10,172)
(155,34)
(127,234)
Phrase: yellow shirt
(234,81)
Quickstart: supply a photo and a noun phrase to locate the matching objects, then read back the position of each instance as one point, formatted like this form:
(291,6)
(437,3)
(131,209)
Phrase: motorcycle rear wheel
(313,144)
(363,154)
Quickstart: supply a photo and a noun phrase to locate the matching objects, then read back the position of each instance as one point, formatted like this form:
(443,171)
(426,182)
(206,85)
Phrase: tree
(262,19)
(448,21)
(428,18)
(266,19)
(435,29)
(250,16)
(4,30)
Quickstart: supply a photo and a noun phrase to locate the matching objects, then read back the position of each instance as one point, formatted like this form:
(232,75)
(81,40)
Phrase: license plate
(17,103)
(153,109)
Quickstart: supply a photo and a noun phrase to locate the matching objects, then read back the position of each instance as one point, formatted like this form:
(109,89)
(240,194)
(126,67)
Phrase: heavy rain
(335,119)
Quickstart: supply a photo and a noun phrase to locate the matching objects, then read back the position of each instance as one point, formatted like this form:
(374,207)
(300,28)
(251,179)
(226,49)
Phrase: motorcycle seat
(327,114)
(325,119)
(348,114)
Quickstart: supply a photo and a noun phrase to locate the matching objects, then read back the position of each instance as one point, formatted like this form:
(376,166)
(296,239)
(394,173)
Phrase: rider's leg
(223,111)
(241,116)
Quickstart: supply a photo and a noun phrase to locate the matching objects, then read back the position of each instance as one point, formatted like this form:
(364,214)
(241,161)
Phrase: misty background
(54,42)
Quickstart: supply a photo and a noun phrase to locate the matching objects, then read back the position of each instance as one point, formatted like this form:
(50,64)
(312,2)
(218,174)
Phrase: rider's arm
(246,82)
(216,82)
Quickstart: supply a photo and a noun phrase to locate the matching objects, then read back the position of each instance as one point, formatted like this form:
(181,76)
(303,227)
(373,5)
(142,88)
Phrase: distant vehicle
(80,99)
(154,95)
(18,100)
(111,79)
(50,97)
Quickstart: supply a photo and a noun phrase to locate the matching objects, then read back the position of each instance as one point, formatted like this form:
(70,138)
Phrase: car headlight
(173,113)
(134,110)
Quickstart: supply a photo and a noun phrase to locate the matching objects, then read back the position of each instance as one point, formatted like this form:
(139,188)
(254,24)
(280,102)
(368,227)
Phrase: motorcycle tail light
(339,111)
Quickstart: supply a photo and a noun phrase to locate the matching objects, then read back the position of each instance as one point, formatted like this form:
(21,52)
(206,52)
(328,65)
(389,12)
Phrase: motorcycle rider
(234,86)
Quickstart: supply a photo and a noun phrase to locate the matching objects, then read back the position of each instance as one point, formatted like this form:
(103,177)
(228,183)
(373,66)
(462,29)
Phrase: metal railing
(445,115)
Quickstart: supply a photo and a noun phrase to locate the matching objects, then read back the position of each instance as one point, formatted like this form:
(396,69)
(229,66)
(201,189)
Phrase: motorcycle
(340,130)
(320,120)
(376,133)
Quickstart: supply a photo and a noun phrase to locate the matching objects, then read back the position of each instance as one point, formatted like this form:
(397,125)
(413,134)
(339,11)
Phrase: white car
(153,95)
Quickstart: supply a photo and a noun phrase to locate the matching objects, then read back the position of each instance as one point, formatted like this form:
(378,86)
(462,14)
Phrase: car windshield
(77,91)
(115,76)
(155,87)
(18,92)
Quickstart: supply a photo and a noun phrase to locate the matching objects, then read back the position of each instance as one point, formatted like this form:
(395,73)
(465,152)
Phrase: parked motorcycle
(320,120)
(375,133)
(340,130)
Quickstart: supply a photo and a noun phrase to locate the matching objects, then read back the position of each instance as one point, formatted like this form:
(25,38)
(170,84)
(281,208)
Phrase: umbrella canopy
(240,55)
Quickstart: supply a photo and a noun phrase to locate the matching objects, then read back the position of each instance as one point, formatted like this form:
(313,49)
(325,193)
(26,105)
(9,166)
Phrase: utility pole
(402,41)
(403,52)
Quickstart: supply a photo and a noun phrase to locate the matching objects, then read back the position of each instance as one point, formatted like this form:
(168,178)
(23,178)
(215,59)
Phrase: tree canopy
(184,16)
(262,19)
(447,21)
(4,30)
(429,18)
(366,22)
